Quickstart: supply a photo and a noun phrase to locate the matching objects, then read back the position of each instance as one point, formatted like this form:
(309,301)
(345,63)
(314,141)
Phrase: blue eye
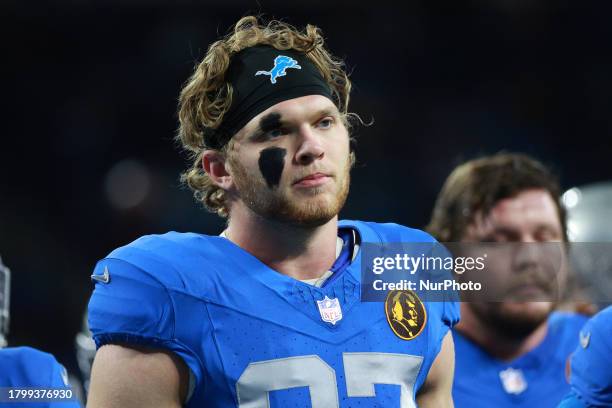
(326,123)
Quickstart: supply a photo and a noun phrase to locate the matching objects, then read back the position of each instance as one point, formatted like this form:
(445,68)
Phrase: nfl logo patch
(513,381)
(330,310)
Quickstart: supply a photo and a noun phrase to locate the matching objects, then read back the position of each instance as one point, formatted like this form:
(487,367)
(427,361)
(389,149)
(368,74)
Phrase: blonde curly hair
(207,95)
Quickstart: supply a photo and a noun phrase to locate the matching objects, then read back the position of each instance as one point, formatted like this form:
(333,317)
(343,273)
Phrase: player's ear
(213,163)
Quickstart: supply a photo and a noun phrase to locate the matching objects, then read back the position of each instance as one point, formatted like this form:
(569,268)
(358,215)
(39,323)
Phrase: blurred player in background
(23,368)
(85,351)
(268,313)
(508,353)
(591,365)
(589,228)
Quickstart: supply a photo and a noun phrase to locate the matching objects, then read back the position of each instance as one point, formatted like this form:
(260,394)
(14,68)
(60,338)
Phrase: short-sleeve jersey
(23,368)
(536,379)
(253,337)
(591,365)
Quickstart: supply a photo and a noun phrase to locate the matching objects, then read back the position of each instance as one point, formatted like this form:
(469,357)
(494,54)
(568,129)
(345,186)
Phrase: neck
(293,250)
(495,343)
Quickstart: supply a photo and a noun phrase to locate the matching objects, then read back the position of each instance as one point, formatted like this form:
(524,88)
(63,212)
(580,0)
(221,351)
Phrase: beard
(513,320)
(313,208)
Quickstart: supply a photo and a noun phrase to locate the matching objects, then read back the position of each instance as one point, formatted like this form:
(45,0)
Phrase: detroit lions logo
(281,64)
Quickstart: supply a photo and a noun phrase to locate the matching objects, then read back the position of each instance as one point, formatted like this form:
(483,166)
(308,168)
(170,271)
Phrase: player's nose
(310,147)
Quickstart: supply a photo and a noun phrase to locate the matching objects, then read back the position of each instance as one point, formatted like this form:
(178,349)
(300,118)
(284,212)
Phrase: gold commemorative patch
(405,313)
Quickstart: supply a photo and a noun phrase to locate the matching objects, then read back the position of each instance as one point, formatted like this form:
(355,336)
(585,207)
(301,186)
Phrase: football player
(269,313)
(591,365)
(510,353)
(24,368)
(589,214)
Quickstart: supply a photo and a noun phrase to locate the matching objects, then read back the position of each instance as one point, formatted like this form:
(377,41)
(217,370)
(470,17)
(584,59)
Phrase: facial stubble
(268,201)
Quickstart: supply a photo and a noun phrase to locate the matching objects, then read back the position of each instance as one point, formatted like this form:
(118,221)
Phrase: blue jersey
(22,367)
(536,379)
(591,365)
(251,335)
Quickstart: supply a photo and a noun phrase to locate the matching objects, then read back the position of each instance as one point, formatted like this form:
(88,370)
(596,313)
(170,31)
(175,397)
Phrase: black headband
(261,77)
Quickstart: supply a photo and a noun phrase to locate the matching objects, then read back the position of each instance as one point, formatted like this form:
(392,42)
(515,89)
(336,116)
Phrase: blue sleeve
(28,367)
(450,303)
(590,376)
(451,315)
(59,379)
(442,317)
(135,307)
(59,375)
(572,401)
(444,307)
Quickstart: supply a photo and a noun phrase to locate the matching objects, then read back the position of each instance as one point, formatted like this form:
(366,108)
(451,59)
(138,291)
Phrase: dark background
(88,162)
